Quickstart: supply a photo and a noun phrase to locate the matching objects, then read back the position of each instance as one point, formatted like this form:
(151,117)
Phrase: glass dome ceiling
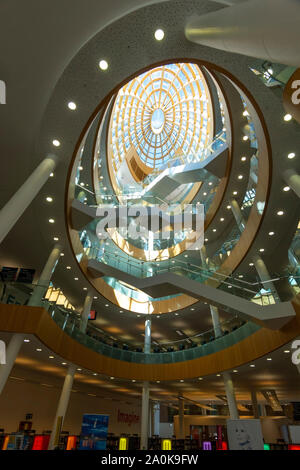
(163,113)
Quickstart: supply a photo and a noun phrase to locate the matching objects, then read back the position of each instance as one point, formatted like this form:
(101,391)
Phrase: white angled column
(264,275)
(145,392)
(62,407)
(35,300)
(214,311)
(243,29)
(19,202)
(231,400)
(12,351)
(45,277)
(237,213)
(86,311)
(293,180)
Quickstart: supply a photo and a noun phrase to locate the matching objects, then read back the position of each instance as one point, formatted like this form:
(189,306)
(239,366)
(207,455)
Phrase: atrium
(149,225)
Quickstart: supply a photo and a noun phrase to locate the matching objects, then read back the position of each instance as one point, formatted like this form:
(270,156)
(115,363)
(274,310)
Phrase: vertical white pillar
(45,277)
(19,202)
(62,407)
(231,400)
(35,299)
(145,416)
(147,341)
(293,180)
(181,434)
(86,311)
(156,418)
(145,392)
(214,311)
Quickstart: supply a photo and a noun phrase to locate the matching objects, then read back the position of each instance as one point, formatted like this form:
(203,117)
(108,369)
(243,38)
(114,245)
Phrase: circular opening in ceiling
(157,121)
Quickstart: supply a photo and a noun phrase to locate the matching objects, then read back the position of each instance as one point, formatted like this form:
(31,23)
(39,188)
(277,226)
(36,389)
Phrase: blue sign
(93,432)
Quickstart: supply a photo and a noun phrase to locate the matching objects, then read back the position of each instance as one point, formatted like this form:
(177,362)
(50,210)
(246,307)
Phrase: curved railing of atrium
(202,344)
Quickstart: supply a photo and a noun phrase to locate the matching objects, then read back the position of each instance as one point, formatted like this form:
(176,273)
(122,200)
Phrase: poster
(93,432)
(245,434)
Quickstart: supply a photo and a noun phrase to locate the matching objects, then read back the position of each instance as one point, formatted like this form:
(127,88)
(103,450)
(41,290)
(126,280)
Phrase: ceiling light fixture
(291,155)
(287,117)
(286,188)
(280,213)
(56,143)
(159,34)
(72,105)
(49,199)
(103,64)
(51,221)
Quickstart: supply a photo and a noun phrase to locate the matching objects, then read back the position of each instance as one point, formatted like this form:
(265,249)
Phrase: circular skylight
(163,114)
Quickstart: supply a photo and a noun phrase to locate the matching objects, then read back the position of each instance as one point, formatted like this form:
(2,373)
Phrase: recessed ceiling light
(176,314)
(56,143)
(269,359)
(72,105)
(214,229)
(112,378)
(241,276)
(245,138)
(218,375)
(159,35)
(80,168)
(121,311)
(234,193)
(235,371)
(51,221)
(243,159)
(62,254)
(251,264)
(240,177)
(106,305)
(228,207)
(75,278)
(158,381)
(38,349)
(287,351)
(95,297)
(252,365)
(68,267)
(51,175)
(181,380)
(210,183)
(286,188)
(229,287)
(271,234)
(204,194)
(200,378)
(103,64)
(95,373)
(26,340)
(85,288)
(222,219)
(51,357)
(49,199)
(287,117)
(63,363)
(280,213)
(261,250)
(55,239)
(79,369)
(245,113)
(291,155)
